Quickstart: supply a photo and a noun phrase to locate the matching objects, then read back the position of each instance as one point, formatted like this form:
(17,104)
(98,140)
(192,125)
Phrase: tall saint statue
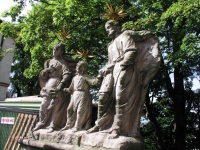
(133,60)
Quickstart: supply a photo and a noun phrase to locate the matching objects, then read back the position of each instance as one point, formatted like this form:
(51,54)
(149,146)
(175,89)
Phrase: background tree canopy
(171,105)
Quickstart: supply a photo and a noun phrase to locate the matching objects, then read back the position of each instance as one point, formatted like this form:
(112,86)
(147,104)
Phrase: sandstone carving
(133,61)
(53,78)
(79,110)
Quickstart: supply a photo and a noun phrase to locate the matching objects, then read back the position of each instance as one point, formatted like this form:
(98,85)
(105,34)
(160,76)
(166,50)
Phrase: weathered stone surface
(36,145)
(53,78)
(80,108)
(68,140)
(93,139)
(124,143)
(101,140)
(133,61)
(69,137)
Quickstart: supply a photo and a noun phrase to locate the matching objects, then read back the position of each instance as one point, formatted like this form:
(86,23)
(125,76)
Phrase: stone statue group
(133,60)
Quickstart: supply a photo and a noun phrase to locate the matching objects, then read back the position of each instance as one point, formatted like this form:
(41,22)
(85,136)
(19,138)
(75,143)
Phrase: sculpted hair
(114,23)
(84,65)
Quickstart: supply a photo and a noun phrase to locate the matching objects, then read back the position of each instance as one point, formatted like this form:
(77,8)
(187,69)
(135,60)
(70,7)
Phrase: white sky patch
(196,84)
(6,4)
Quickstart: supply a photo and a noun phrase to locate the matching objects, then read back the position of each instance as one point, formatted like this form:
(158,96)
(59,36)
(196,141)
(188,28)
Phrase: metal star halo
(64,34)
(85,54)
(114,13)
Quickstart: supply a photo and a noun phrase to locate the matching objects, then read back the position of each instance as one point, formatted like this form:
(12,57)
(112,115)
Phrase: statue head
(81,67)
(113,28)
(58,50)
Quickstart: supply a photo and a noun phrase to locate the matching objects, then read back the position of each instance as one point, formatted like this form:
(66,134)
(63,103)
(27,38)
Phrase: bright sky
(6,4)
(196,84)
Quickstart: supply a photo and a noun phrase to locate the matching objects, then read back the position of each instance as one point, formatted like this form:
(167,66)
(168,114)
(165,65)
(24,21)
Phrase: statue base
(69,140)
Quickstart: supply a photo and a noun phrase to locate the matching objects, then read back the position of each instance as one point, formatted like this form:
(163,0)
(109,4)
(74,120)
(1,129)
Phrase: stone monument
(80,107)
(133,61)
(54,77)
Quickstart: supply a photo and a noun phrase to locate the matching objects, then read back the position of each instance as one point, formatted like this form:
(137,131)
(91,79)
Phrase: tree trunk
(19,94)
(179,108)
(177,97)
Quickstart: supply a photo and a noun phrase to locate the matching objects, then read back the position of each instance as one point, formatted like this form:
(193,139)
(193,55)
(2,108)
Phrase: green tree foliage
(171,105)
(21,84)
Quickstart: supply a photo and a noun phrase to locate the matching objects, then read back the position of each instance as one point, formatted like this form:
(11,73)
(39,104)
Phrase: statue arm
(66,77)
(70,89)
(44,74)
(92,81)
(130,51)
(106,70)
(129,44)
(129,58)
(66,90)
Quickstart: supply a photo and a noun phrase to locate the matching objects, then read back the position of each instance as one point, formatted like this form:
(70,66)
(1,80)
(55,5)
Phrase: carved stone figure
(106,102)
(53,78)
(135,61)
(79,109)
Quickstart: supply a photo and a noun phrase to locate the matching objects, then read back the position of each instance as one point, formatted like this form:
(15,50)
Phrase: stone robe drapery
(57,105)
(105,103)
(138,52)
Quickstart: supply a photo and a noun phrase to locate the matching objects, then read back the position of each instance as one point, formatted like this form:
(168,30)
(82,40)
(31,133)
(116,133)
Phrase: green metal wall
(11,109)
(5,129)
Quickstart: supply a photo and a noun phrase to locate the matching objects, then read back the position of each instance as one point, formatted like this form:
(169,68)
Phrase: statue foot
(113,135)
(75,129)
(50,130)
(93,129)
(64,128)
(107,131)
(38,126)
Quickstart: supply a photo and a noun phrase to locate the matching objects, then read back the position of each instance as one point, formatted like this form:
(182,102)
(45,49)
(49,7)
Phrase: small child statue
(79,109)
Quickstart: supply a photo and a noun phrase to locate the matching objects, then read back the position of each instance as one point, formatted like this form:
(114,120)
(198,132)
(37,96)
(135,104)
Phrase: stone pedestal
(101,140)
(68,140)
